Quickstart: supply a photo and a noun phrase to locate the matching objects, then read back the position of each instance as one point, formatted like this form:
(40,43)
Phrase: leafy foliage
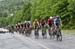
(40,9)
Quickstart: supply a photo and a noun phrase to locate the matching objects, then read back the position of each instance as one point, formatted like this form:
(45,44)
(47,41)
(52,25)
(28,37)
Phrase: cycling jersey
(35,24)
(25,25)
(18,26)
(28,24)
(54,21)
(50,22)
(43,22)
(58,20)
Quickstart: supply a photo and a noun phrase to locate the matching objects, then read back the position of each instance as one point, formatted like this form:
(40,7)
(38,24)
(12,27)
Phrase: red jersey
(50,21)
(25,25)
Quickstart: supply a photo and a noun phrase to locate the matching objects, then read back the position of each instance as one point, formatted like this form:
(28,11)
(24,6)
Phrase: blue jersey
(58,20)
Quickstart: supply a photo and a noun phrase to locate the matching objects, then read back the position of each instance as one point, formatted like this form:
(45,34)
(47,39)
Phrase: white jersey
(54,21)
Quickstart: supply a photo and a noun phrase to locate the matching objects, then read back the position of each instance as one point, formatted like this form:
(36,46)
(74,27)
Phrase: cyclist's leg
(36,32)
(42,31)
(59,35)
(29,31)
(45,33)
(23,31)
(54,32)
(50,31)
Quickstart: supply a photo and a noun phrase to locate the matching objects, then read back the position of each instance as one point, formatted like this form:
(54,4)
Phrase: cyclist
(43,27)
(25,26)
(22,28)
(36,28)
(36,24)
(58,28)
(28,28)
(54,26)
(58,22)
(19,27)
(50,26)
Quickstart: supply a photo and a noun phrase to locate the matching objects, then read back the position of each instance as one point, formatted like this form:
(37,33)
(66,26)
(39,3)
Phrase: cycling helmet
(51,17)
(36,20)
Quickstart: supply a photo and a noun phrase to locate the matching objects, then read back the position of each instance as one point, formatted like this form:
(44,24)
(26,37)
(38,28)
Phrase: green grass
(69,31)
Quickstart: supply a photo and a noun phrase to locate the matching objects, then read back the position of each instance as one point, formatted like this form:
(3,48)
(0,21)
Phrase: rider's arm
(60,22)
(33,24)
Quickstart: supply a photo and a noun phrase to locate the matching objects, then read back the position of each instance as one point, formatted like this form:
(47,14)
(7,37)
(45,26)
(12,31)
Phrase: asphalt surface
(18,41)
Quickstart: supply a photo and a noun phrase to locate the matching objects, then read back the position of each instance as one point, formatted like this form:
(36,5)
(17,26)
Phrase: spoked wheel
(26,33)
(36,33)
(22,31)
(50,34)
(60,38)
(54,34)
(44,34)
(29,32)
(59,35)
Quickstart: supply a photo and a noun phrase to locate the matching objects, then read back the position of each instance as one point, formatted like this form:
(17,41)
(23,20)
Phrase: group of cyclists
(52,26)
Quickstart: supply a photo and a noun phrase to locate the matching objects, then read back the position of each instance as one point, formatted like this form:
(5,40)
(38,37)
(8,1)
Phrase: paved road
(17,41)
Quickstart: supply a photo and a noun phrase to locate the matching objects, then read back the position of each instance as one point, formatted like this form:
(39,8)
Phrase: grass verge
(69,31)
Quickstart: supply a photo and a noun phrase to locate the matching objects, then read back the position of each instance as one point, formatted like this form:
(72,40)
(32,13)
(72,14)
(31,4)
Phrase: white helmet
(19,23)
(51,17)
(35,19)
(57,16)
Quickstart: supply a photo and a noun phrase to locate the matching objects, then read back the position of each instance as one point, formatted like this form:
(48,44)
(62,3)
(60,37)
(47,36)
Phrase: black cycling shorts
(57,24)
(50,25)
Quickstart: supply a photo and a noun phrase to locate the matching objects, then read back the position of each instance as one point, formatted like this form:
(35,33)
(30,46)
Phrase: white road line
(38,43)
(33,41)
